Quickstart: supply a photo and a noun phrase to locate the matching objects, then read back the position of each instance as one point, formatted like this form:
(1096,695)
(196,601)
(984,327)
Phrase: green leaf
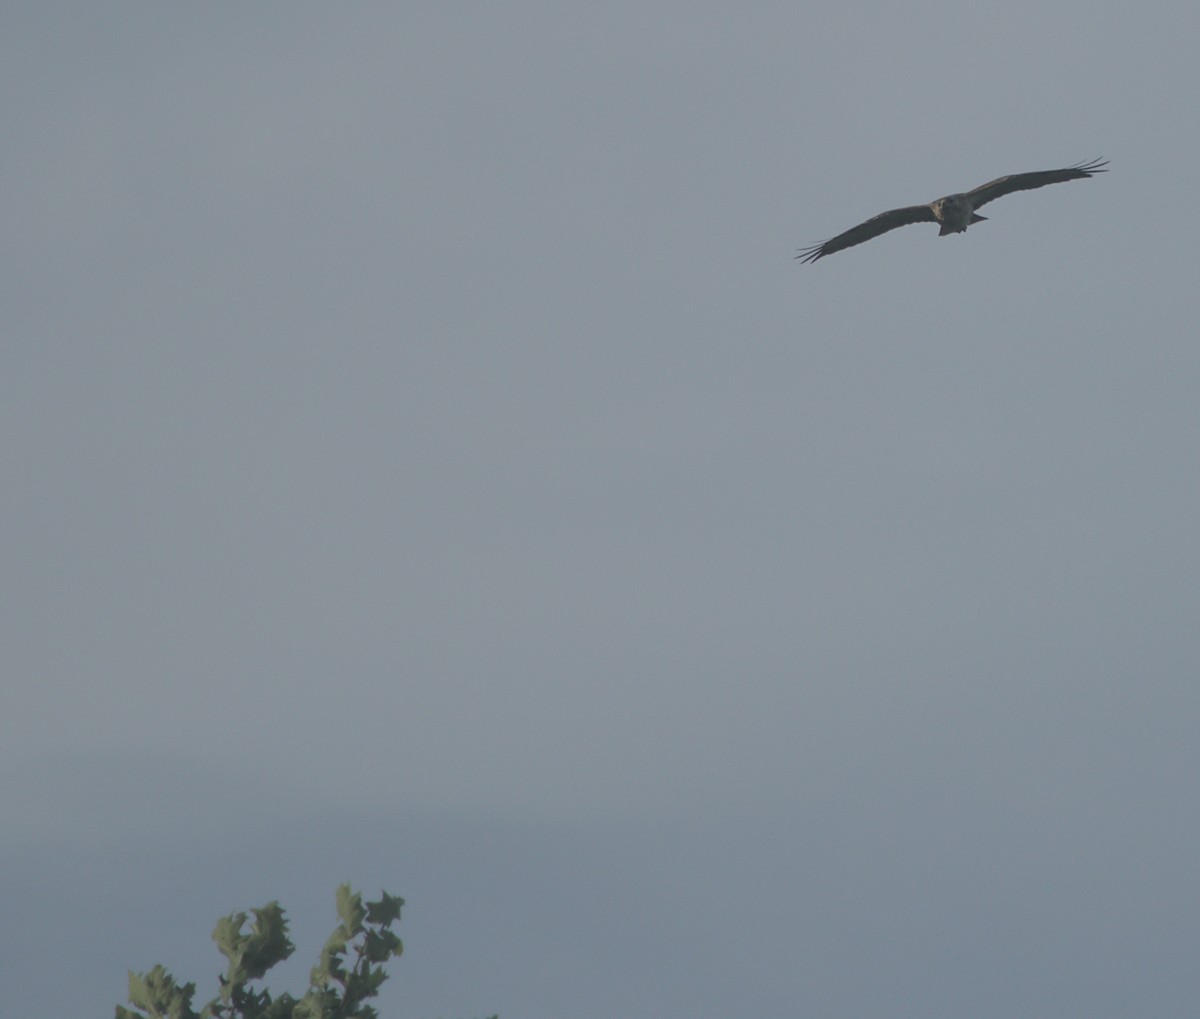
(228,934)
(350,909)
(158,994)
(317,1005)
(380,946)
(338,986)
(385,911)
(267,943)
(329,964)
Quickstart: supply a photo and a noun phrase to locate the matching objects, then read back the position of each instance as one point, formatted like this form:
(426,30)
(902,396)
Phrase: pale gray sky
(426,466)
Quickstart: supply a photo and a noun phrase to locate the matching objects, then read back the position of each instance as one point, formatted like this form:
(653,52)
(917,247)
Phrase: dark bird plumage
(954,212)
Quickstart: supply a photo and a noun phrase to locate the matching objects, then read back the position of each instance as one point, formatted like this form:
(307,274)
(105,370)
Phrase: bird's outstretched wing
(873,227)
(1002,186)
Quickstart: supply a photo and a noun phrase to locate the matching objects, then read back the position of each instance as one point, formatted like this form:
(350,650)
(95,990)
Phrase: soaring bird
(954,212)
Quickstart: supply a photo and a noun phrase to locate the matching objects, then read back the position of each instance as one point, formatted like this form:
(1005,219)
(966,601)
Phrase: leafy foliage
(348,972)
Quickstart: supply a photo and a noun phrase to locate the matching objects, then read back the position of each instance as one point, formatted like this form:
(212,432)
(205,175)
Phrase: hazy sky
(426,466)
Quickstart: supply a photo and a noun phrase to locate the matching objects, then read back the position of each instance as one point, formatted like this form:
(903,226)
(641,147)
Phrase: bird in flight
(954,212)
